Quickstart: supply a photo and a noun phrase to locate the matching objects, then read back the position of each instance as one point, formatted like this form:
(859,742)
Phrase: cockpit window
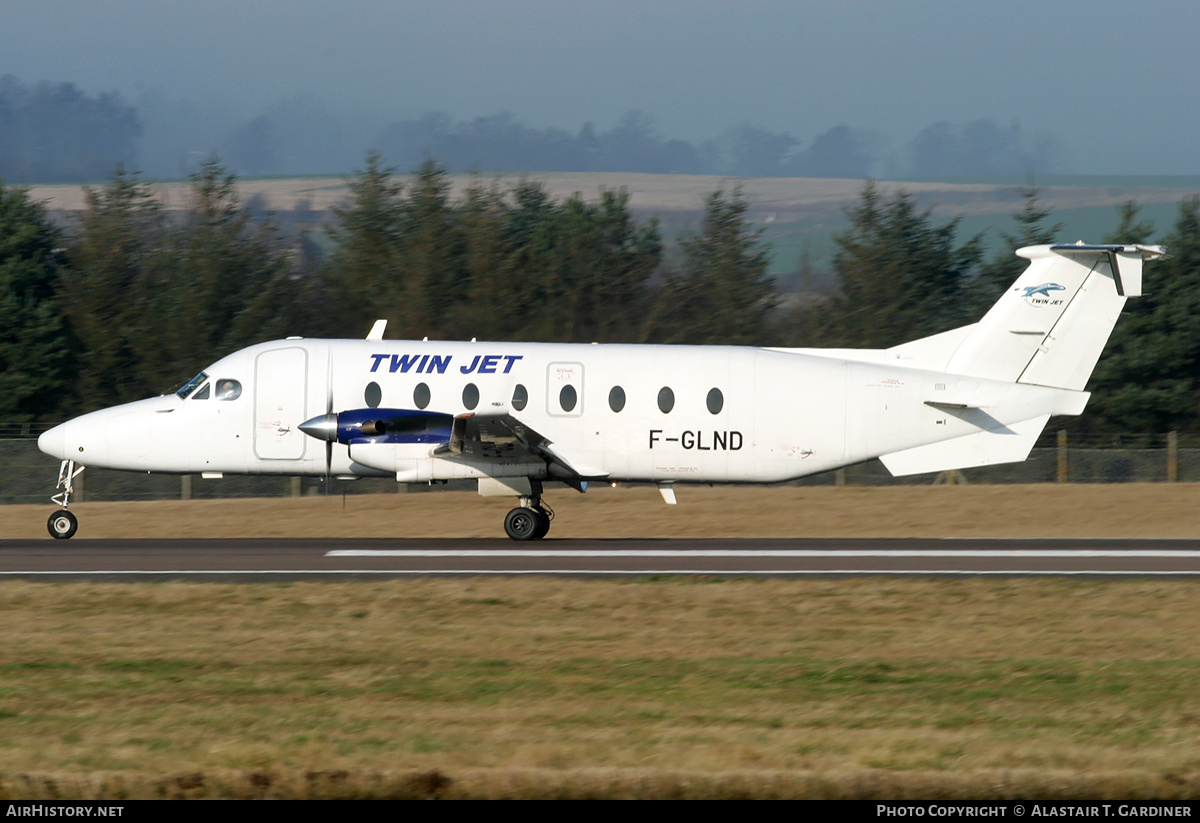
(190,386)
(203,393)
(229,389)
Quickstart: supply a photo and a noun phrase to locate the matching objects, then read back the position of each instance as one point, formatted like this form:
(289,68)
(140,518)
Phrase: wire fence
(28,476)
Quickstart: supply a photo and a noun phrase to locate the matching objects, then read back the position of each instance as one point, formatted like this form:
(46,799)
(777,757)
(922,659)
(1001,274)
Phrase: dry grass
(785,197)
(608,784)
(1048,510)
(837,679)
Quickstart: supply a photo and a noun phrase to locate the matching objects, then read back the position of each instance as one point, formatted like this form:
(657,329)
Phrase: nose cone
(53,442)
(324,427)
(112,438)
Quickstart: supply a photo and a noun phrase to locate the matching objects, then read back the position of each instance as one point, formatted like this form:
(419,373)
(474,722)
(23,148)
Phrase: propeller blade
(329,413)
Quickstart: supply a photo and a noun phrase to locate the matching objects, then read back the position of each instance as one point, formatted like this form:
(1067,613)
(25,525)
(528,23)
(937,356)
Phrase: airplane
(518,416)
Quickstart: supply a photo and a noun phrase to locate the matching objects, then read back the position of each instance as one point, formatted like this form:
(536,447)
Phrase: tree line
(132,297)
(55,132)
(500,141)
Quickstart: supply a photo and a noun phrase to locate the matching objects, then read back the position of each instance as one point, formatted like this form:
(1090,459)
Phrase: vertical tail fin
(1049,328)
(1046,332)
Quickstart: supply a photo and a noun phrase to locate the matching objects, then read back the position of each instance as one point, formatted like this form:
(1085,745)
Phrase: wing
(504,437)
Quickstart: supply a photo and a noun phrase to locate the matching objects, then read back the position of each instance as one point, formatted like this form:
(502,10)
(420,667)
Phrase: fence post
(1062,456)
(296,486)
(1172,456)
(185,487)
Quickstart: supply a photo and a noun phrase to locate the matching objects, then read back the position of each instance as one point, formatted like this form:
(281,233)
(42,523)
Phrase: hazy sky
(1117,82)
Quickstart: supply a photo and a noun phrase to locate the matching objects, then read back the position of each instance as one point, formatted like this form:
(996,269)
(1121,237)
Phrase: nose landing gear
(62,524)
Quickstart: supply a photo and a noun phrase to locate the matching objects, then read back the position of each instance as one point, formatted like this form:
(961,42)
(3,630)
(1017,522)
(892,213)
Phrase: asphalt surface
(308,558)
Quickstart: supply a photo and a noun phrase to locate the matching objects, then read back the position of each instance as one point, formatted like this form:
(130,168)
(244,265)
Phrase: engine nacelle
(381,426)
(408,462)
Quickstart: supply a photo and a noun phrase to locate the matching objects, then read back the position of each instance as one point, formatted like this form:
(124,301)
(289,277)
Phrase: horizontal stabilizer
(1007,444)
(1126,261)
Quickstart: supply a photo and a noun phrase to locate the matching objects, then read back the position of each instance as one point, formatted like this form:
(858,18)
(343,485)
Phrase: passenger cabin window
(373,395)
(228,389)
(421,396)
(716,401)
(470,396)
(520,397)
(616,398)
(666,400)
(567,398)
(203,393)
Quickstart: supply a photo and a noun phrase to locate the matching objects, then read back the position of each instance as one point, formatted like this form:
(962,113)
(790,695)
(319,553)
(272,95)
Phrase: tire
(62,524)
(522,523)
(543,523)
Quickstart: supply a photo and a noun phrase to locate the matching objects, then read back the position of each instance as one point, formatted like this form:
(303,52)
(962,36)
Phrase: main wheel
(543,523)
(62,524)
(522,523)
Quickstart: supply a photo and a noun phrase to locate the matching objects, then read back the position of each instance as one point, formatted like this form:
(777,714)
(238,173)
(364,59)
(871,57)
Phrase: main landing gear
(530,520)
(62,524)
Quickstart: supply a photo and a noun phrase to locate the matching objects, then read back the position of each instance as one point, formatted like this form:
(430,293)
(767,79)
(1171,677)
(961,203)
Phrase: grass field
(907,680)
(662,687)
(1036,510)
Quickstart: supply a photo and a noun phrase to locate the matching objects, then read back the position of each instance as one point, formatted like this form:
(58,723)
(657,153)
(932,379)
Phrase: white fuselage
(779,415)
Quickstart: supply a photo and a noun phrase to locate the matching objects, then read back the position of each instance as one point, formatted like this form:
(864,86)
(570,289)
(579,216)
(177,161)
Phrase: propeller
(329,413)
(325,426)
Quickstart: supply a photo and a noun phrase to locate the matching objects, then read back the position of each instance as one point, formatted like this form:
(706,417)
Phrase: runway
(254,559)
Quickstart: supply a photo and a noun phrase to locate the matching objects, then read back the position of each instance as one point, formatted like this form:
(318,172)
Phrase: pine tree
(223,283)
(364,269)
(432,283)
(720,292)
(1002,271)
(152,296)
(120,242)
(627,255)
(532,231)
(900,277)
(492,264)
(1130,229)
(1148,379)
(492,308)
(602,262)
(399,251)
(34,358)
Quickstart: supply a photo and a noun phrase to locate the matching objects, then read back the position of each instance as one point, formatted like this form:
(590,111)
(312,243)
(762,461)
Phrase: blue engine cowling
(396,426)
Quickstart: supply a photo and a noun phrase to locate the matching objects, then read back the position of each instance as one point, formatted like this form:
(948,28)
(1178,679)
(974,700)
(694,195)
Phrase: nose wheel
(62,524)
